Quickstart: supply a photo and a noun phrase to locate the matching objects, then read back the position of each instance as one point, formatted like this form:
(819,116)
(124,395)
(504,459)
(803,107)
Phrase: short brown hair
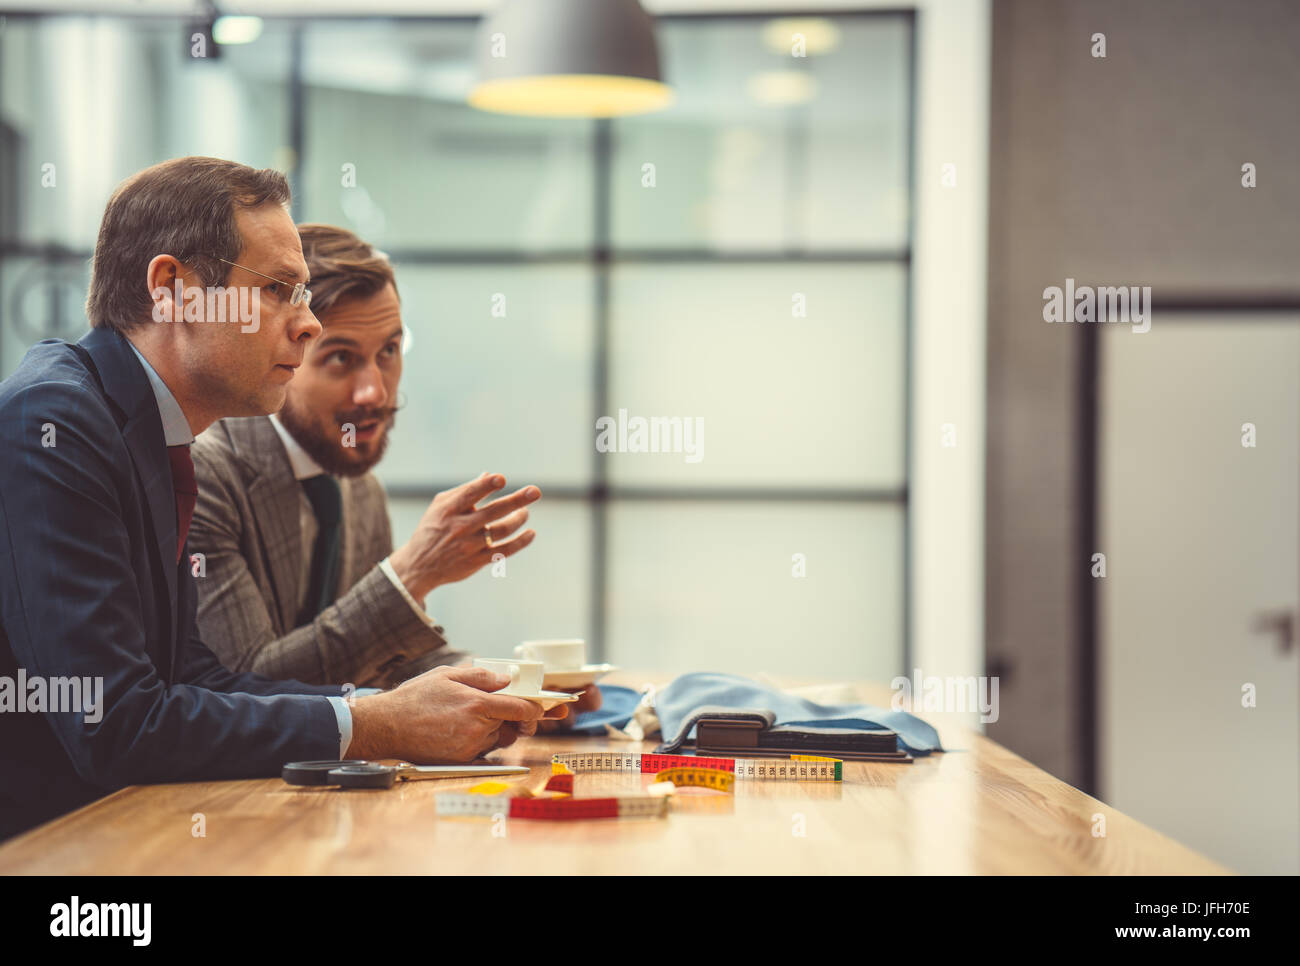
(341,266)
(184,208)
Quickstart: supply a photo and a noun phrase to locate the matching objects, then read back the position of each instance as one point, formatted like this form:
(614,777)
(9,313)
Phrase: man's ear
(163,270)
(165,284)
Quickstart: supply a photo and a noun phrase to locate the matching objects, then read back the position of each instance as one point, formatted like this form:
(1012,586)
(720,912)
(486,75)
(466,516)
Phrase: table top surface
(977,809)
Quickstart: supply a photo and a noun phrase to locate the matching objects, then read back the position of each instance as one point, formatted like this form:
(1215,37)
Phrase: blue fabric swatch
(676,702)
(617,705)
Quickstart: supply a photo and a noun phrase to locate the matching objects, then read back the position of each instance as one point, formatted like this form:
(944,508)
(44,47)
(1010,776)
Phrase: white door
(1202,542)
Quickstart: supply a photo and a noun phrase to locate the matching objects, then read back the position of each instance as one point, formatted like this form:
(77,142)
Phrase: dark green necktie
(327,504)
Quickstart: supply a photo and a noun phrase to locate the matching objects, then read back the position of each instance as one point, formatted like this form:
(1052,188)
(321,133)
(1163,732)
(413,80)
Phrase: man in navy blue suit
(199,309)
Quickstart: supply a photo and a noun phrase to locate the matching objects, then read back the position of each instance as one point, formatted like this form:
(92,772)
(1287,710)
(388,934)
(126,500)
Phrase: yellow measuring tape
(718,780)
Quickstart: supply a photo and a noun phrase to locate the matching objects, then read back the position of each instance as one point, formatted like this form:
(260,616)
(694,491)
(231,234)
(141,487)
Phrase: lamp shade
(569,58)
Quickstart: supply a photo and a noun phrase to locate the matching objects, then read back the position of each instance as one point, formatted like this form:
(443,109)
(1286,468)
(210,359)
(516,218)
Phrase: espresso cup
(525,676)
(569,654)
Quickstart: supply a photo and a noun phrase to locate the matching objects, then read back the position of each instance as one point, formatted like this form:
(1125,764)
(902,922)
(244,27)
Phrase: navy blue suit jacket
(90,587)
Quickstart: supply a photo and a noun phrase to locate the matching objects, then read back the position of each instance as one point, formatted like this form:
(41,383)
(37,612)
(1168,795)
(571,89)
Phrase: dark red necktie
(187,492)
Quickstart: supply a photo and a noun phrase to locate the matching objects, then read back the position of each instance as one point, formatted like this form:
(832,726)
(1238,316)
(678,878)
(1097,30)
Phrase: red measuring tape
(554,809)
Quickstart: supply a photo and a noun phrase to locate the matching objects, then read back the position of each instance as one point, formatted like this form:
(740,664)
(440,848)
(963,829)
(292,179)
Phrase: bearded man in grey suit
(298,576)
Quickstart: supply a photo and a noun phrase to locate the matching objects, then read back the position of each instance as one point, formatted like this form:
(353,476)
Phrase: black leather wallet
(747,731)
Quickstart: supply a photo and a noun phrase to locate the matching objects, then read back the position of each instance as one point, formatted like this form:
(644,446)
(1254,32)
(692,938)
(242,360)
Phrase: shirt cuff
(391,574)
(343,715)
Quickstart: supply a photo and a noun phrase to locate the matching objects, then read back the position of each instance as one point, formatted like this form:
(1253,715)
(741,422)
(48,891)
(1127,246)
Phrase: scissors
(356,773)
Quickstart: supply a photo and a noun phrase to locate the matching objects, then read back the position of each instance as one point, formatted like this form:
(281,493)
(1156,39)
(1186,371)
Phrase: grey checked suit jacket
(247,525)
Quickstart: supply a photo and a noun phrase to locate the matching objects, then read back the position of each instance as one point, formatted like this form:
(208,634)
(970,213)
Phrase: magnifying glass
(357,773)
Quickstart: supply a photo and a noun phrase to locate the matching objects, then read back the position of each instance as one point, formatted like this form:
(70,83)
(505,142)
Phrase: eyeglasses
(301,293)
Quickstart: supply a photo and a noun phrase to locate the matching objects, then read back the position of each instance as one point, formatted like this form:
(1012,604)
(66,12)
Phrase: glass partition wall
(738,262)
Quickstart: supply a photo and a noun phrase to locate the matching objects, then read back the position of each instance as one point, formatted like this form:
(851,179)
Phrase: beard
(322,440)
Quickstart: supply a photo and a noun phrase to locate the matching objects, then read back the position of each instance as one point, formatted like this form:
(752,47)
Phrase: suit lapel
(274,498)
(127,385)
(365,520)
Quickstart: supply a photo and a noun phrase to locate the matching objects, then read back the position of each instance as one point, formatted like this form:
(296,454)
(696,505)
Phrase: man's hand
(589,700)
(448,714)
(451,541)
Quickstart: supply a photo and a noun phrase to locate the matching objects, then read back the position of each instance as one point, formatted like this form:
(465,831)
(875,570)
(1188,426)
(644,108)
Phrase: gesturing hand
(456,538)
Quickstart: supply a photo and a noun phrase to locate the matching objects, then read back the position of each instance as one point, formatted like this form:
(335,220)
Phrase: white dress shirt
(176,428)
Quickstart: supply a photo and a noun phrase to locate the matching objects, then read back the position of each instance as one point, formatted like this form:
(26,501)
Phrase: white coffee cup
(558,655)
(525,676)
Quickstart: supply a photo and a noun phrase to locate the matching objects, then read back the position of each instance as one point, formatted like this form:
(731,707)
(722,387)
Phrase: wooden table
(981,810)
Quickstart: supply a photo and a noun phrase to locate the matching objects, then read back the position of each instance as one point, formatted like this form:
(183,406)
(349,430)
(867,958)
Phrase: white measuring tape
(800,768)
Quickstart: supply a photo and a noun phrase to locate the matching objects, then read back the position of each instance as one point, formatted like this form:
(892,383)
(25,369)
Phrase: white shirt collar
(176,428)
(304,467)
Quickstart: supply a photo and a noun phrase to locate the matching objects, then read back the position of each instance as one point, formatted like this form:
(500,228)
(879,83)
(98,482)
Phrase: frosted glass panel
(430,172)
(735,168)
(98,99)
(509,395)
(815,401)
(545,591)
(708,587)
(40,299)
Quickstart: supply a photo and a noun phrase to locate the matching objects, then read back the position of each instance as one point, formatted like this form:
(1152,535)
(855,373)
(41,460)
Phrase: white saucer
(582,677)
(547,699)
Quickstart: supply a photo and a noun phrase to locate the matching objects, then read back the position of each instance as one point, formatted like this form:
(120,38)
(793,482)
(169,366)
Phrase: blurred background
(915,473)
